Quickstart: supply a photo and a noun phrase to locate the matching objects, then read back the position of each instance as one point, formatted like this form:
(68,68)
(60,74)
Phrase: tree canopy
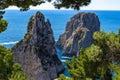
(22,4)
(3,25)
(6,62)
(100,60)
(8,69)
(74,4)
(25,4)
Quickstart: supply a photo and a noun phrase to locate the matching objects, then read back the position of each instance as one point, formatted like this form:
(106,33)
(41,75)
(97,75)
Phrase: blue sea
(17,27)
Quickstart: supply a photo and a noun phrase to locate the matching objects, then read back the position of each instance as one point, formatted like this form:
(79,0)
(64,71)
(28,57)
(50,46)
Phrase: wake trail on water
(8,43)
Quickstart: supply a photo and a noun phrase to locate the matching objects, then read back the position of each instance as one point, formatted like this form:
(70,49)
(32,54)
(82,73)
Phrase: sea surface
(17,27)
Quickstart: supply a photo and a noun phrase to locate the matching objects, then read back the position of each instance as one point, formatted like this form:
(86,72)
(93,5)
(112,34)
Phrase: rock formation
(36,52)
(78,33)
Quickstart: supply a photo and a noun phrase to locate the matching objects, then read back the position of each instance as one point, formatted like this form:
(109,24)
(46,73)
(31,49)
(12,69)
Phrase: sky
(94,5)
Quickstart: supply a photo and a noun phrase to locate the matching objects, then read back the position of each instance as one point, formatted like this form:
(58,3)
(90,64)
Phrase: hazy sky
(94,5)
(104,5)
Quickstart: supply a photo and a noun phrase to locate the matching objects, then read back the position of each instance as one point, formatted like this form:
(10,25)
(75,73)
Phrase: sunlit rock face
(78,33)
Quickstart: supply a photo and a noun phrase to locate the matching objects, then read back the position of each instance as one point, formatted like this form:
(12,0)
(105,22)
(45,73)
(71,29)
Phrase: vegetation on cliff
(8,69)
(100,60)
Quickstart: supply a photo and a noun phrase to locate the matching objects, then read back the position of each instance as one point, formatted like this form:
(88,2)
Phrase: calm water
(109,20)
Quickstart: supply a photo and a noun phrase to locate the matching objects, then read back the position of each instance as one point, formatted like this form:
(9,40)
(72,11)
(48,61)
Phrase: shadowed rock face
(36,52)
(78,33)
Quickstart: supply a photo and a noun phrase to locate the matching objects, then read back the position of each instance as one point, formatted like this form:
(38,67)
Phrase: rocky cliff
(78,33)
(36,52)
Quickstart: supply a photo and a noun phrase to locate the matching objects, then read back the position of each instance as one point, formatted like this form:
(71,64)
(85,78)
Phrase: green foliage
(25,4)
(74,68)
(22,4)
(17,73)
(63,77)
(6,62)
(98,60)
(75,4)
(119,32)
(9,70)
(116,69)
(110,45)
(3,25)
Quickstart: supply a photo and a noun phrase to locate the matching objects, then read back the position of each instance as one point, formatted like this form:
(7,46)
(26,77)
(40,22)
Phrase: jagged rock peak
(86,20)
(39,15)
(36,52)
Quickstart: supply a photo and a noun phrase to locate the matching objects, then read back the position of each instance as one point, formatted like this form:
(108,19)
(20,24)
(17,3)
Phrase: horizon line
(70,9)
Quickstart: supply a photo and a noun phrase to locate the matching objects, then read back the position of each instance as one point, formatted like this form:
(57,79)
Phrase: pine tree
(3,25)
(100,60)
(8,69)
(17,73)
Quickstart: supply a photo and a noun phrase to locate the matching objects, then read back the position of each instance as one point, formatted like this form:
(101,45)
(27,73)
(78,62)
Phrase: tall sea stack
(36,52)
(78,33)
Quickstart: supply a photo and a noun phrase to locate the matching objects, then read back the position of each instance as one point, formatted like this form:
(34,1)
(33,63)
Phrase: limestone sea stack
(36,52)
(78,33)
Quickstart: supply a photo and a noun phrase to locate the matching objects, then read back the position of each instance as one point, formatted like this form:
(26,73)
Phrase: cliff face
(36,52)
(78,33)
